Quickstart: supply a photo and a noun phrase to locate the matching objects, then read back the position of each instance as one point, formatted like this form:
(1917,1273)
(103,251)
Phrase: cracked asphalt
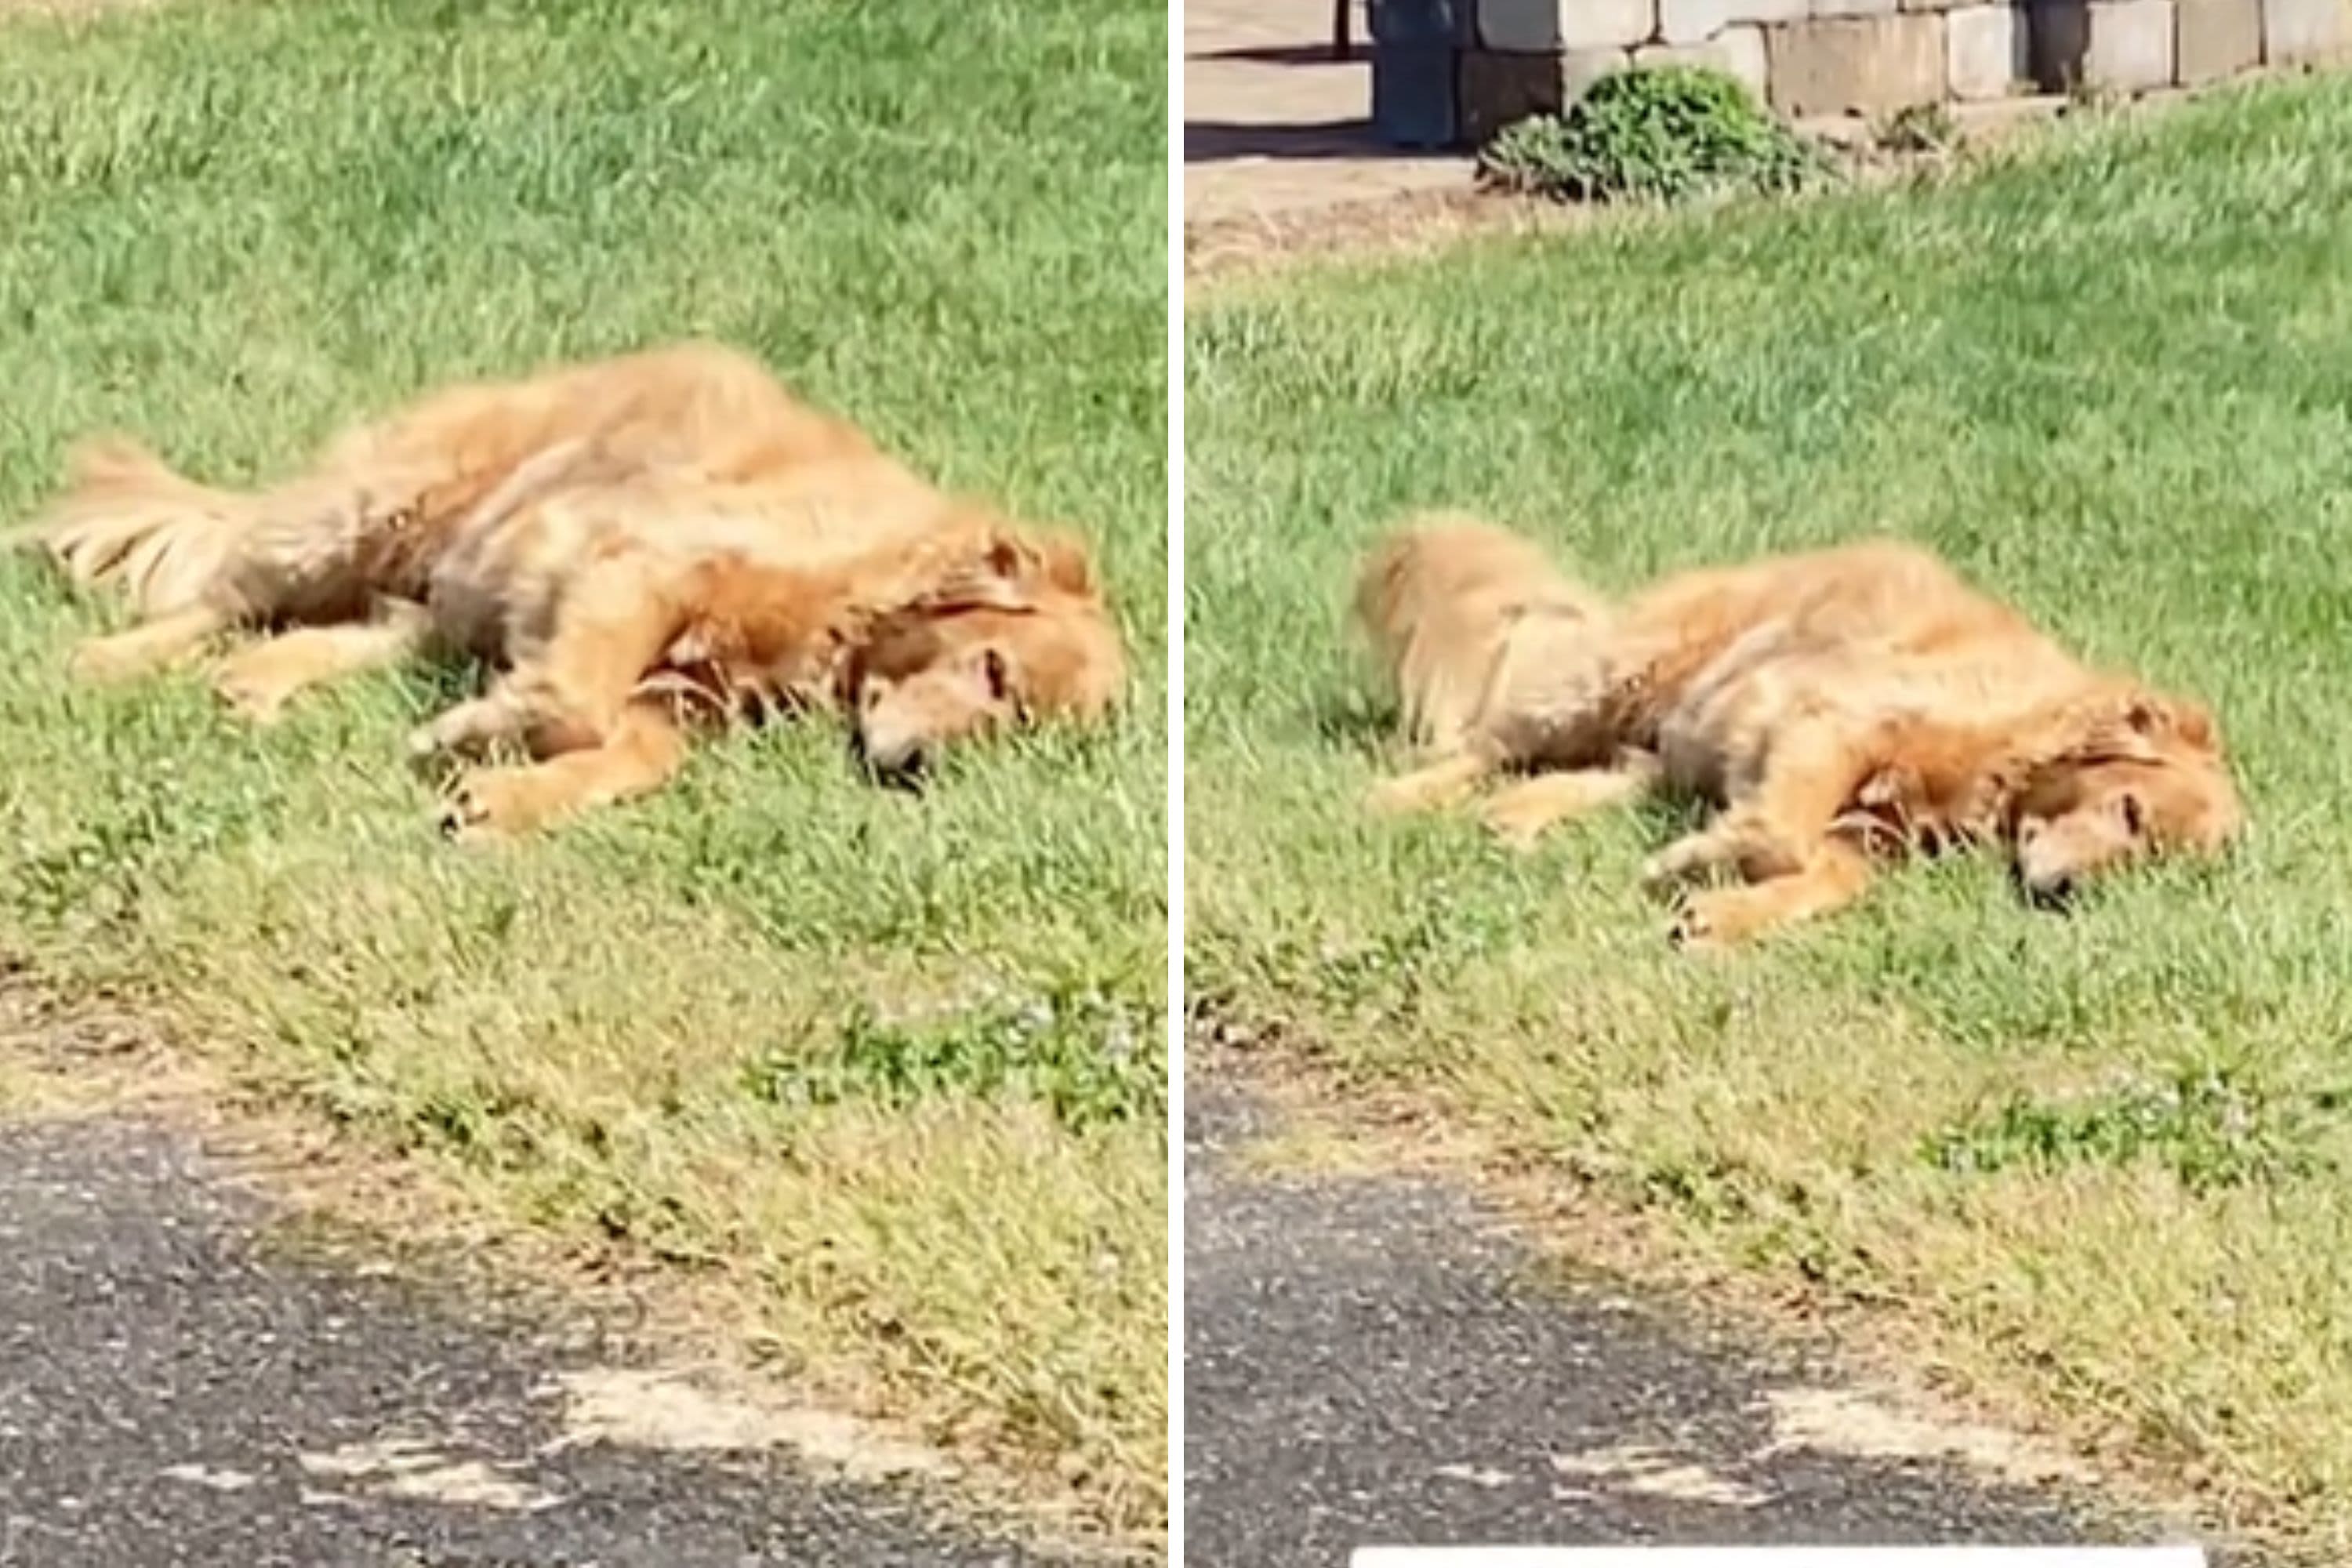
(1371,1362)
(176,1393)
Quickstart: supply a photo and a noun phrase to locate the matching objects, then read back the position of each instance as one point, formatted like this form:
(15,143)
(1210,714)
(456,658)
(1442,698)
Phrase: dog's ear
(1053,558)
(2136,725)
(1011,571)
(1064,561)
(2176,720)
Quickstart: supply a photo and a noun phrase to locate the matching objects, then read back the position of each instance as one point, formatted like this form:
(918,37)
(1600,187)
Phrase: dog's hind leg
(175,639)
(257,681)
(1444,782)
(1521,813)
(1834,876)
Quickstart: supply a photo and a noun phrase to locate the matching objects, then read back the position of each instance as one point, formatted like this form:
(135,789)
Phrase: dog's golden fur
(1499,662)
(1838,707)
(634,544)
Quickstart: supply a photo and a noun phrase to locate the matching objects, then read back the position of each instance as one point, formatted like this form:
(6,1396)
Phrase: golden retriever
(637,545)
(1839,707)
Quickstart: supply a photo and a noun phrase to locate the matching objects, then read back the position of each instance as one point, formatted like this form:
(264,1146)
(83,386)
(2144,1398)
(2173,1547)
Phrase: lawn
(2100,1162)
(892,1069)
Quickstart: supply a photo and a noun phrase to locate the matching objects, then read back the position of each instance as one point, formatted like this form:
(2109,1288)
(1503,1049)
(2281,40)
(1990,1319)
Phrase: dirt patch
(1651,1472)
(638,1409)
(1225,250)
(415,1471)
(1864,1424)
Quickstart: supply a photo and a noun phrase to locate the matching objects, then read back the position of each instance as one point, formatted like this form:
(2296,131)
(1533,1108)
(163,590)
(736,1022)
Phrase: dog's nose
(2053,892)
(894,767)
(907,772)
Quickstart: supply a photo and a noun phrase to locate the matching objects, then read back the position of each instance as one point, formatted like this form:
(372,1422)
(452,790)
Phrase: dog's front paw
(249,694)
(1721,918)
(424,747)
(496,803)
(1518,820)
(106,662)
(1679,864)
(1395,797)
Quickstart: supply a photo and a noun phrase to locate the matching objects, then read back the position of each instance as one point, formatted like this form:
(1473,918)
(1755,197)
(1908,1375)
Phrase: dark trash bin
(1415,46)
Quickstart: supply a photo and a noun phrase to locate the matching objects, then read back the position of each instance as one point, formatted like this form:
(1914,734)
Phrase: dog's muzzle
(893,767)
(2052,891)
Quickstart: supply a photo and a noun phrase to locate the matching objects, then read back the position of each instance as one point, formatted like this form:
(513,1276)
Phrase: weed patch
(1665,133)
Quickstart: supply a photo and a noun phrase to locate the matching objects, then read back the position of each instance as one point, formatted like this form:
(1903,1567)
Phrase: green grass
(893,1068)
(2102,1161)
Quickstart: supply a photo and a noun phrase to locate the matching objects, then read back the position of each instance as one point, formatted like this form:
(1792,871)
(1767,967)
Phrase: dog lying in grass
(639,547)
(1840,707)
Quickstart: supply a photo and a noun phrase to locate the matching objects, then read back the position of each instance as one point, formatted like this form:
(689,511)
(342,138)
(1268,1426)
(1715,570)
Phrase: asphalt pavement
(179,1390)
(1375,1361)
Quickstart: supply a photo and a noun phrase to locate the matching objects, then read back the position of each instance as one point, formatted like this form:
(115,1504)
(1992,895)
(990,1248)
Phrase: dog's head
(2135,774)
(1018,636)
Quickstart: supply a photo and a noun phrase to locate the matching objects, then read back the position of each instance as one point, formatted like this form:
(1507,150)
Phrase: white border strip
(1174,219)
(1778,1556)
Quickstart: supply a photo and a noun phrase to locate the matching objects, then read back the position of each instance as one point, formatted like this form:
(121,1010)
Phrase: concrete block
(1579,68)
(2216,39)
(1519,27)
(1852,7)
(1606,23)
(1856,64)
(2296,31)
(2126,45)
(1984,52)
(1494,89)
(1736,52)
(1697,21)
(1692,21)
(1932,5)
(1740,52)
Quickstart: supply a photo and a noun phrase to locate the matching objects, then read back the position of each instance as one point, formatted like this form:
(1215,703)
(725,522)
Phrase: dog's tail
(129,522)
(316,548)
(1438,598)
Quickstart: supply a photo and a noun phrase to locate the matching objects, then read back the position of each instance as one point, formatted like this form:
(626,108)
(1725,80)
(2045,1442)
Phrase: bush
(1664,133)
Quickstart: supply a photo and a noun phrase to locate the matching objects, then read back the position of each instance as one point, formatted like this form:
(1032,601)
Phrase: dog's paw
(249,695)
(1679,864)
(1724,917)
(1394,797)
(1516,823)
(423,746)
(495,803)
(106,662)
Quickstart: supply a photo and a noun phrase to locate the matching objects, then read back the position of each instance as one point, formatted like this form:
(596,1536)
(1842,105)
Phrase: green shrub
(1664,133)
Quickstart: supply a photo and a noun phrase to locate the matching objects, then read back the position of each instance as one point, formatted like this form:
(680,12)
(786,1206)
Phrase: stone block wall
(1493,61)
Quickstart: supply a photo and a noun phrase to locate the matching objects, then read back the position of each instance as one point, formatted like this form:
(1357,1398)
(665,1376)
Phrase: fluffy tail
(129,522)
(1439,599)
